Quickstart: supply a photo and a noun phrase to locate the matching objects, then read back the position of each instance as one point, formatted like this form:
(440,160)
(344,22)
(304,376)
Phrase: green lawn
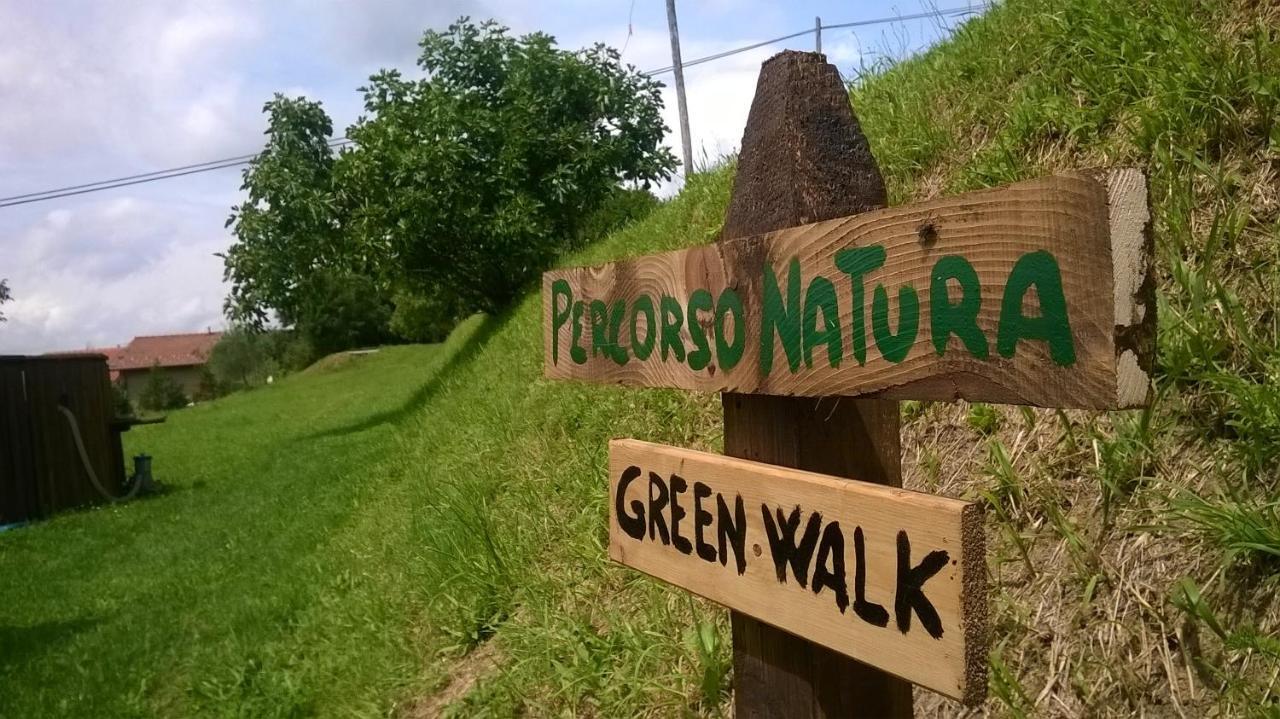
(209,595)
(426,526)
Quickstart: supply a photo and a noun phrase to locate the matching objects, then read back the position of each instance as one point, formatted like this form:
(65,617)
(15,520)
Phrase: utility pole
(817,34)
(685,140)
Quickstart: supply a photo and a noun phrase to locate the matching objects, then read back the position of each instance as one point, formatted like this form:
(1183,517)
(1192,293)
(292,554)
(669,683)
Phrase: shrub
(424,316)
(161,392)
(345,311)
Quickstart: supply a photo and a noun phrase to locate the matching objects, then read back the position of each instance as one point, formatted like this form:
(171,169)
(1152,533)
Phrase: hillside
(424,528)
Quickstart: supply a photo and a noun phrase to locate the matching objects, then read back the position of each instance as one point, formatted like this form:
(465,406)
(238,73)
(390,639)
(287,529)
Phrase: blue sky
(94,90)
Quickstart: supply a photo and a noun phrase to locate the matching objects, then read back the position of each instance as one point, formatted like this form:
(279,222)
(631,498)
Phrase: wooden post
(805,159)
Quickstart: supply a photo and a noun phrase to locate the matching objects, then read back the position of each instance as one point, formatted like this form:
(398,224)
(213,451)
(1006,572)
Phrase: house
(181,357)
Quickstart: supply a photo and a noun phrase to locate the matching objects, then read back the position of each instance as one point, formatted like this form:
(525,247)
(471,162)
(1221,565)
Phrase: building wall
(134,381)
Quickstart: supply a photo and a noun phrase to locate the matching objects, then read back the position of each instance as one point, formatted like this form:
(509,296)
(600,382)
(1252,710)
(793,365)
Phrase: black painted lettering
(783,546)
(701,519)
(656,503)
(732,531)
(831,552)
(679,541)
(631,524)
(910,591)
(869,612)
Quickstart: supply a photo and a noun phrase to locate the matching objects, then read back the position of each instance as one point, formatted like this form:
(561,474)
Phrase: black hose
(88,468)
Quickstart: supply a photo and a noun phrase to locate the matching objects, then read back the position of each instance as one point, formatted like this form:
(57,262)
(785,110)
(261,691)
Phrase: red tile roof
(165,350)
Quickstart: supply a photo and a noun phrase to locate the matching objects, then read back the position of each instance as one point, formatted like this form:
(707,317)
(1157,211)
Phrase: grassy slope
(460,513)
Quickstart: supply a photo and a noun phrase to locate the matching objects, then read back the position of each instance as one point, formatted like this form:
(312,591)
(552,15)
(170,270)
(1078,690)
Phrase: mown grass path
(192,600)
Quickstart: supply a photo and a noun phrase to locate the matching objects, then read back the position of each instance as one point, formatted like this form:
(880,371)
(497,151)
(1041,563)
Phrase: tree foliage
(161,392)
(288,230)
(461,186)
(245,358)
(479,173)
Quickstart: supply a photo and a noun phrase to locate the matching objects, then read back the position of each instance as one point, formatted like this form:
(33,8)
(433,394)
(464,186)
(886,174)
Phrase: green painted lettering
(1039,269)
(700,357)
(960,319)
(599,328)
(895,347)
(643,305)
(672,321)
(781,317)
(857,262)
(576,352)
(616,350)
(559,288)
(821,295)
(729,353)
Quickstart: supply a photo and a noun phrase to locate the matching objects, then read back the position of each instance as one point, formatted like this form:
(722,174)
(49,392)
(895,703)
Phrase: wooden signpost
(896,577)
(1027,294)
(812,315)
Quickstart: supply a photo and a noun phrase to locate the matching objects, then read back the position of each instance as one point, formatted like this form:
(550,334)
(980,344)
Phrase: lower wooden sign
(893,578)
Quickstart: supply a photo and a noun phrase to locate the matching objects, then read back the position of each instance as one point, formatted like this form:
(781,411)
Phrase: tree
(475,177)
(4,296)
(236,358)
(461,187)
(347,310)
(288,230)
(161,392)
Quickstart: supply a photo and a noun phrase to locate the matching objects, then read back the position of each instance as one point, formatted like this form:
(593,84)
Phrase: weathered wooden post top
(816,310)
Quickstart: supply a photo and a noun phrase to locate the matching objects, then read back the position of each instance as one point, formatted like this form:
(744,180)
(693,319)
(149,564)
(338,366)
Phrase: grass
(201,598)
(422,531)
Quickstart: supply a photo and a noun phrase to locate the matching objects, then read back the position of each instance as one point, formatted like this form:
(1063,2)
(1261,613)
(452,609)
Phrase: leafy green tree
(245,358)
(161,392)
(288,231)
(461,187)
(4,296)
(424,315)
(120,399)
(237,357)
(345,311)
(210,388)
(476,176)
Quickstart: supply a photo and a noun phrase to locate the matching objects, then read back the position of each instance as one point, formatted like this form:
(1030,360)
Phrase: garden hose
(88,468)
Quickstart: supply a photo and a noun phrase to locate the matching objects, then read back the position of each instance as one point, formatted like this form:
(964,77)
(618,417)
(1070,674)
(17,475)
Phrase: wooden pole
(804,159)
(685,141)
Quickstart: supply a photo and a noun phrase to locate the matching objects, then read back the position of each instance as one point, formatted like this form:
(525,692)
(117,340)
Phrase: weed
(1124,457)
(1246,528)
(983,419)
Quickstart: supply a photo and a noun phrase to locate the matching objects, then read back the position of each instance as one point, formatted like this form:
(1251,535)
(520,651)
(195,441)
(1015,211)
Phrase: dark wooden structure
(41,471)
(804,159)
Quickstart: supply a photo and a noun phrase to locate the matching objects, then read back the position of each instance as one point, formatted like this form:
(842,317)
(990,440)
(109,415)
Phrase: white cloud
(137,78)
(106,271)
(93,90)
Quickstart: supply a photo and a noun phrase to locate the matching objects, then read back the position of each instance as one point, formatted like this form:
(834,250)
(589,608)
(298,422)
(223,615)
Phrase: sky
(94,89)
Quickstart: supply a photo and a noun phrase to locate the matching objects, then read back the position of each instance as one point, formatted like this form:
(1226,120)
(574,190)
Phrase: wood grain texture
(874,625)
(804,159)
(1094,224)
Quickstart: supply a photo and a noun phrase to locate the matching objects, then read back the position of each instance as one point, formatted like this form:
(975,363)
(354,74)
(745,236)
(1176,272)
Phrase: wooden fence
(41,471)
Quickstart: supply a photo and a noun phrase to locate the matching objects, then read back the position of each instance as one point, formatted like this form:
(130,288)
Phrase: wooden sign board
(1037,293)
(895,579)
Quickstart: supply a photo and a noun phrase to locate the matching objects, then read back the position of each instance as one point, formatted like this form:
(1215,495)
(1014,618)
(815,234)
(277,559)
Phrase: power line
(859,23)
(227,162)
(139,179)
